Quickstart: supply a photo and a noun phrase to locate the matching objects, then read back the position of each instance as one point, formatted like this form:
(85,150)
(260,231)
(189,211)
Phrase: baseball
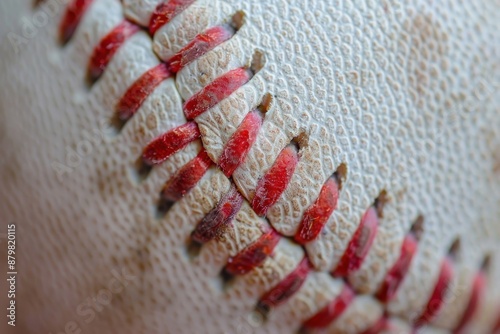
(250,166)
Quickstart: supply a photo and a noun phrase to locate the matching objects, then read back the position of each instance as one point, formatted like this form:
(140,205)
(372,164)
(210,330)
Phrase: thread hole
(258,61)
(227,279)
(90,80)
(117,123)
(341,174)
(142,169)
(193,249)
(417,229)
(380,203)
(163,207)
(300,141)
(263,311)
(455,248)
(486,264)
(266,103)
(238,20)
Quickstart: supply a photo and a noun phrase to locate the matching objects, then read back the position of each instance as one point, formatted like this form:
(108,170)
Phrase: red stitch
(167,144)
(381,325)
(359,245)
(216,220)
(253,256)
(287,287)
(332,311)
(318,213)
(165,12)
(436,300)
(71,19)
(215,92)
(271,186)
(477,293)
(398,271)
(199,46)
(187,177)
(239,144)
(108,47)
(140,90)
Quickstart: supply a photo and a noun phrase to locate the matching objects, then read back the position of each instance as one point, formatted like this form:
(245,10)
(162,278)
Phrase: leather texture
(405,95)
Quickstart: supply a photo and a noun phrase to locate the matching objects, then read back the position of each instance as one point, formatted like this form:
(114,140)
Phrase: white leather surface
(404,94)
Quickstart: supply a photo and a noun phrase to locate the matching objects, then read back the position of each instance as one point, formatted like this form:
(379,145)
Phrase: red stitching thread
(360,244)
(253,256)
(398,271)
(144,86)
(318,213)
(477,293)
(239,144)
(271,186)
(216,220)
(172,141)
(286,287)
(187,177)
(165,12)
(215,92)
(437,298)
(108,47)
(71,19)
(332,311)
(140,90)
(199,46)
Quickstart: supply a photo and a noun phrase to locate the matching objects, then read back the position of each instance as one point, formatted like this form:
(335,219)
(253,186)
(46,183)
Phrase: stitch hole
(263,312)
(266,103)
(89,81)
(455,249)
(341,174)
(417,229)
(258,61)
(163,207)
(380,203)
(193,249)
(117,124)
(486,264)
(227,279)
(238,20)
(300,140)
(142,170)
